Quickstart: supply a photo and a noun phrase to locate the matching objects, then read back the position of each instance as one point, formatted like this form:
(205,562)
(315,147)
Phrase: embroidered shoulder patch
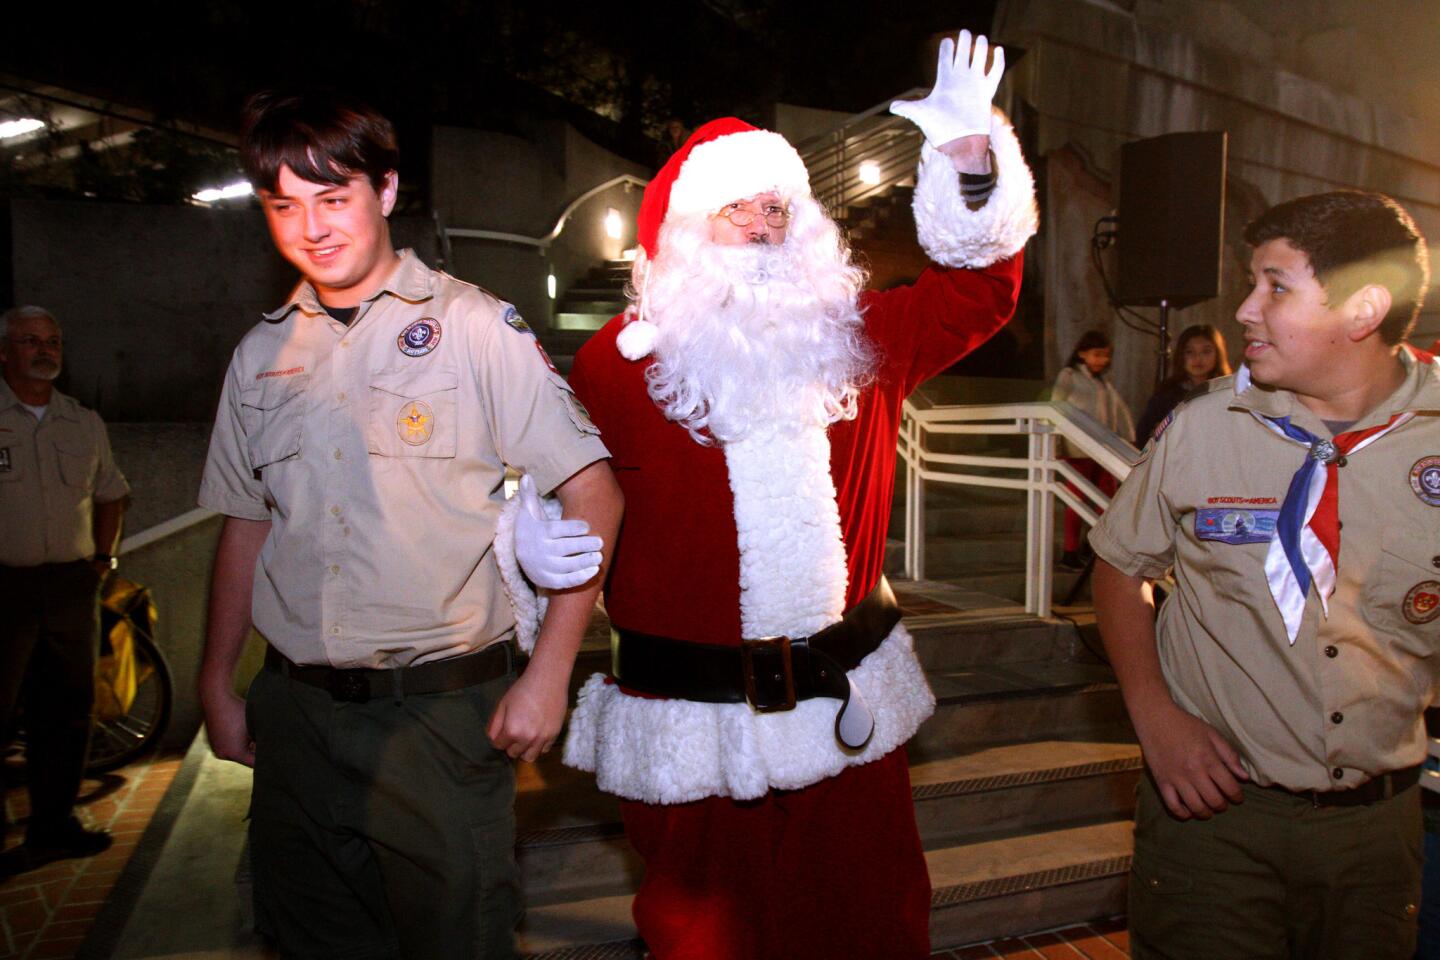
(1425,480)
(1229,525)
(515,322)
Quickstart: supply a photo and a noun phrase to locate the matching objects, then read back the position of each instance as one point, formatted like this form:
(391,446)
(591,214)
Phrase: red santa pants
(833,871)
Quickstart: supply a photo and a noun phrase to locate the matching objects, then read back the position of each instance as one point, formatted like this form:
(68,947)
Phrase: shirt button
(1337,773)
(335,568)
(345,532)
(1341,462)
(335,510)
(1332,651)
(1435,562)
(1336,717)
(1411,909)
(336,630)
(340,396)
(345,344)
(338,454)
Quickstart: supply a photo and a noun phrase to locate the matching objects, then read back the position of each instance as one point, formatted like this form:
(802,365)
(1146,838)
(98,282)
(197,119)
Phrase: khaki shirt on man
(1344,703)
(52,473)
(378,452)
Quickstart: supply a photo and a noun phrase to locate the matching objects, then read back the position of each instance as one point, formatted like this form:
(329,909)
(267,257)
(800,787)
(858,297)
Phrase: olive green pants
(1276,878)
(381,829)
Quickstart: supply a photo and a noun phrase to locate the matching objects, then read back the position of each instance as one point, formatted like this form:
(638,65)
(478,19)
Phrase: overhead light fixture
(613,223)
(869,172)
(550,285)
(240,188)
(20,127)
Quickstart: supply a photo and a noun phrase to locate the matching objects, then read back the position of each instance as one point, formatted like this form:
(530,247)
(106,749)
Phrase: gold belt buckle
(769,675)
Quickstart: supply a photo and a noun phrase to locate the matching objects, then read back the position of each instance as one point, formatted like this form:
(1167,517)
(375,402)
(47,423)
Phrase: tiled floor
(47,912)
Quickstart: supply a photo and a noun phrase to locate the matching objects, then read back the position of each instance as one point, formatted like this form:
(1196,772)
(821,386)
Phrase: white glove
(555,554)
(959,103)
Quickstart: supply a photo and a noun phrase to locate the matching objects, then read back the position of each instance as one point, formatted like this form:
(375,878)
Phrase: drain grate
(619,950)
(959,788)
(1025,882)
(560,836)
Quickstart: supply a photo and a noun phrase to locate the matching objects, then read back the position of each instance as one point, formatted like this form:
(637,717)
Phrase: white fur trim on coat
(675,751)
(792,557)
(736,167)
(954,235)
(529,604)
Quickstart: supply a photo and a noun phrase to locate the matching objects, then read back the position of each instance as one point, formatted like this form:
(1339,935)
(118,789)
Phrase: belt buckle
(769,675)
(350,686)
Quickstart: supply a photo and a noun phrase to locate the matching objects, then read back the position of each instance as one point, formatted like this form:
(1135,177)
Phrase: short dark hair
(1354,238)
(321,137)
(1089,340)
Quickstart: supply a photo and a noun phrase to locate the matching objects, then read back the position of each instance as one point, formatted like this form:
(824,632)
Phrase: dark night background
(617,72)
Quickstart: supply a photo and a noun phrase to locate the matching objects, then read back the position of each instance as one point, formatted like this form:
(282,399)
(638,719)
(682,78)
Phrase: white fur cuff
(675,751)
(529,604)
(954,235)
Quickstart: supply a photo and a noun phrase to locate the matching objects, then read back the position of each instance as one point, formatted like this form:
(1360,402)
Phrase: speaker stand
(1162,365)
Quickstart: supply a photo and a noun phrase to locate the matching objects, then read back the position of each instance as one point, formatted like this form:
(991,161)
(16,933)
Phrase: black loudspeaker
(1172,214)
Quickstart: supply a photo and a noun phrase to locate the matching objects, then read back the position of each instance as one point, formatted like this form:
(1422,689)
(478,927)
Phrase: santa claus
(763,684)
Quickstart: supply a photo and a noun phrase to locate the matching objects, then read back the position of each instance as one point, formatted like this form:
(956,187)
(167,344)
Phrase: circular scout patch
(415,422)
(1425,480)
(1422,603)
(420,337)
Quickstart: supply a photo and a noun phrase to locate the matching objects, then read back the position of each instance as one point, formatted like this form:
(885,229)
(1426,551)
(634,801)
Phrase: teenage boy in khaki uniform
(359,456)
(1280,712)
(61,502)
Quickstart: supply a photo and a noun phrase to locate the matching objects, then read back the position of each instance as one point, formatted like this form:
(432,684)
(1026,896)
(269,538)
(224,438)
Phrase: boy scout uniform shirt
(1345,702)
(52,473)
(378,453)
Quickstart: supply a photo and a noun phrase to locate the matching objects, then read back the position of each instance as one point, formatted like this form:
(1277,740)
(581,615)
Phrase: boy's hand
(1197,770)
(528,718)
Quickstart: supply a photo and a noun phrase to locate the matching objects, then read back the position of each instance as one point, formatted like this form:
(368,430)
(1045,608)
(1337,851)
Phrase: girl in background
(1082,383)
(1199,357)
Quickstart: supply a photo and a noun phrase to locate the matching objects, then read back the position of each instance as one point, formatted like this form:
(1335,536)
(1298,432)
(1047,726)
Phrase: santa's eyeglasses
(743,214)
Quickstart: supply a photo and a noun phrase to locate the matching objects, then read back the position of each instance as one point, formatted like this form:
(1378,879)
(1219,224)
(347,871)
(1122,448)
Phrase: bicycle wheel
(115,741)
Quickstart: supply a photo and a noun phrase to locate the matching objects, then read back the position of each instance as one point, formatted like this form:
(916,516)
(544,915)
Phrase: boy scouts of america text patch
(420,337)
(1422,603)
(1425,480)
(415,422)
(1229,525)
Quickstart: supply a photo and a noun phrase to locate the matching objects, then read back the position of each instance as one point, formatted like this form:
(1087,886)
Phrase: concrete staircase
(1022,781)
(586,307)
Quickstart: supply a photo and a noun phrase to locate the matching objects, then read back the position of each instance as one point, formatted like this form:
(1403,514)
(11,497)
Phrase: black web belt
(769,673)
(437,676)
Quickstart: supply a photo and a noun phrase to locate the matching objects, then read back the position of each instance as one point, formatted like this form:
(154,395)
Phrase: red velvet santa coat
(763,837)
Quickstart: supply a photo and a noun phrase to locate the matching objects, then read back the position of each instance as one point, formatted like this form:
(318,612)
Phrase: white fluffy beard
(749,337)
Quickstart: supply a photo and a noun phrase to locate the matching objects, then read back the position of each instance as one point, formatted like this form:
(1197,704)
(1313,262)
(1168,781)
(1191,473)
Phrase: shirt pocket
(1401,600)
(413,411)
(272,413)
(77,465)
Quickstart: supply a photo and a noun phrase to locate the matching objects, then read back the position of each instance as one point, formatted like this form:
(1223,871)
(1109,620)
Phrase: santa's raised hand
(958,107)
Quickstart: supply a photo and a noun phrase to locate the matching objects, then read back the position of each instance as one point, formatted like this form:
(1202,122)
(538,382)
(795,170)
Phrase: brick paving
(1100,940)
(47,913)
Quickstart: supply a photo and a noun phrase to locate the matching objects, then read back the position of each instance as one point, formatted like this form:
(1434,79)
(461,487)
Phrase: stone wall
(1326,96)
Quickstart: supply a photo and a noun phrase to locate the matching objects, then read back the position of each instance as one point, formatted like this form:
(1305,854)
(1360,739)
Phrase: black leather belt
(1379,788)
(769,673)
(437,676)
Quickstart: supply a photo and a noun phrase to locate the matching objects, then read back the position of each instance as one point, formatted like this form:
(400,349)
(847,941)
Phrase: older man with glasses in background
(61,503)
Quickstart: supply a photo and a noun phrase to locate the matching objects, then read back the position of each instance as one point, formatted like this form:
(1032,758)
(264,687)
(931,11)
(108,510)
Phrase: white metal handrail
(1041,473)
(544,242)
(833,159)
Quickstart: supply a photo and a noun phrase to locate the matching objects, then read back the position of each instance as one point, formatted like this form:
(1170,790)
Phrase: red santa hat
(723,161)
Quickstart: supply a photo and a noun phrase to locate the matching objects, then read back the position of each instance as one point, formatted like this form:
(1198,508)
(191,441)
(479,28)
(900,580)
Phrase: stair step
(1004,887)
(1011,703)
(570,321)
(980,891)
(606,305)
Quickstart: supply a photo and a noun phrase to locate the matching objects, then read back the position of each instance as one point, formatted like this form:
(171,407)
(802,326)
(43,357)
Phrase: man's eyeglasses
(35,343)
(744,214)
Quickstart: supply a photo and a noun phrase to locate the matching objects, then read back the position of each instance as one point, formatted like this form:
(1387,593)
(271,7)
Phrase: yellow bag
(125,609)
